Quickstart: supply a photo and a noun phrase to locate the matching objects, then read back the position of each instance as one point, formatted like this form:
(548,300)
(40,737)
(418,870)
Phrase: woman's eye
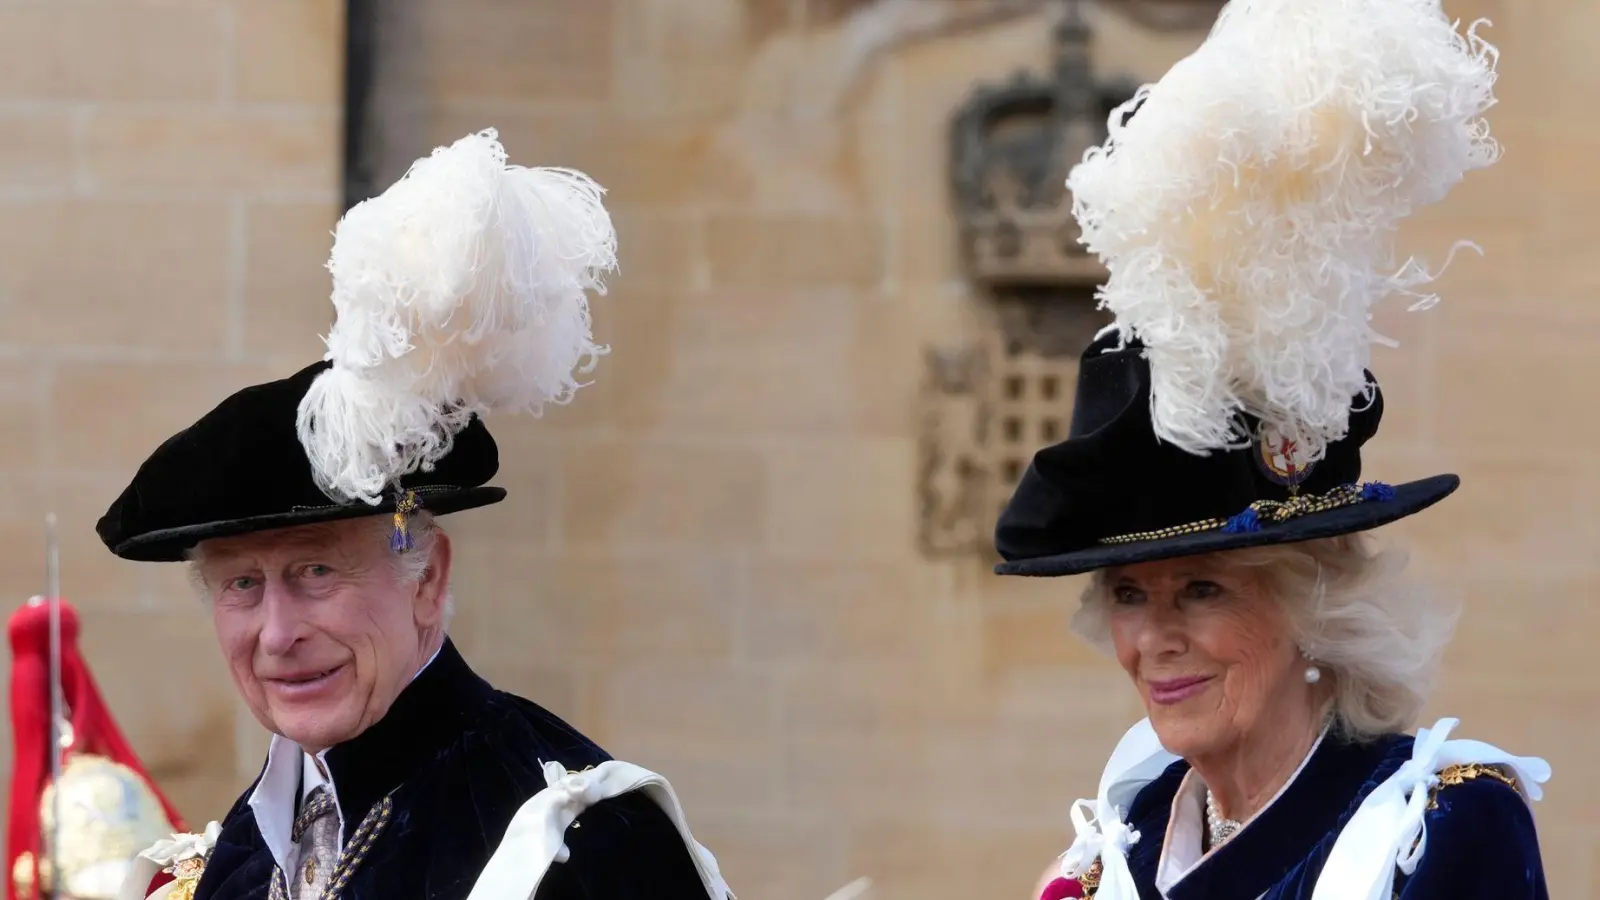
(317,571)
(1126,594)
(242,583)
(1201,590)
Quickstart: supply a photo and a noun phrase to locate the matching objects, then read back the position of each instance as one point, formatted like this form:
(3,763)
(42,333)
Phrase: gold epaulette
(1450,776)
(1090,879)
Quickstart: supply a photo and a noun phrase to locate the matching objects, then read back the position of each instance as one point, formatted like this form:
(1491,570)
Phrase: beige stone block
(112,416)
(910,859)
(686,59)
(287,291)
(760,251)
(845,778)
(599,610)
(1525,513)
(657,249)
(927,248)
(525,520)
(1549,70)
(826,613)
(260,151)
(872,700)
(776,858)
(1477,408)
(707,727)
(35,149)
(24,500)
(178,714)
(91,576)
(1055,763)
(556,688)
(1532,642)
(647,493)
(110,52)
(290,51)
(773,362)
(22,416)
(138,274)
(841,500)
(1034,637)
(699,704)
(489,50)
(642,162)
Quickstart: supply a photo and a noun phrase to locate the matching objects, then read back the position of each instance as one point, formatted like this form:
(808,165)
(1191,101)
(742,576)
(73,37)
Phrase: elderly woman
(1279,667)
(1245,207)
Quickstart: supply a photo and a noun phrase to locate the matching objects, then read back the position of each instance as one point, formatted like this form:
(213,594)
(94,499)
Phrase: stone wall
(708,562)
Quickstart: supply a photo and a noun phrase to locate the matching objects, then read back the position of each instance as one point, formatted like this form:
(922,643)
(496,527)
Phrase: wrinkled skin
(320,627)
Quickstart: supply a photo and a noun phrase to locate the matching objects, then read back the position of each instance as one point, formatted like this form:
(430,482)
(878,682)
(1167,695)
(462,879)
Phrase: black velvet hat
(1112,494)
(241,469)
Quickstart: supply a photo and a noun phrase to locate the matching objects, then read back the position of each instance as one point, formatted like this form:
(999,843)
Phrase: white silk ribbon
(1388,831)
(536,838)
(164,854)
(1100,829)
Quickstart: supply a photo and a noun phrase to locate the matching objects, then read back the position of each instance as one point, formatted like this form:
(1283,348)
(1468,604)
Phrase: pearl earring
(1313,674)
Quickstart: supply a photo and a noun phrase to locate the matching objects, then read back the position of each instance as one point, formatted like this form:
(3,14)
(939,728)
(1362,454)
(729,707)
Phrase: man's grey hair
(410,566)
(1351,612)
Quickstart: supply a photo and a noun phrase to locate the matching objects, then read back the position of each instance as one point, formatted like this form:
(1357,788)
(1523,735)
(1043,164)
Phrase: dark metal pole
(360,64)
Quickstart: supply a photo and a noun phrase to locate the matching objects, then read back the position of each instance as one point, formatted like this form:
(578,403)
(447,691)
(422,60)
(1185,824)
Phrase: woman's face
(1209,651)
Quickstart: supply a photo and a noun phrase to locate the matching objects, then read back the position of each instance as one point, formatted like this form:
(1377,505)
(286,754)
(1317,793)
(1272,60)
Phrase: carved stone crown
(1012,146)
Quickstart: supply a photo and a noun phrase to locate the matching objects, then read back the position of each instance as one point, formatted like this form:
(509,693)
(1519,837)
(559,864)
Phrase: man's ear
(434,586)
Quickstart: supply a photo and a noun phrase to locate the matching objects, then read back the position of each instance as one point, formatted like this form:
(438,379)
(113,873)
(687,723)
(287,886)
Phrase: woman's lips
(1177,690)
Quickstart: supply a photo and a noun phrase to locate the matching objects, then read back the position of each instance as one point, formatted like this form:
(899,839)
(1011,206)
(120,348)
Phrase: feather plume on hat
(1247,212)
(462,289)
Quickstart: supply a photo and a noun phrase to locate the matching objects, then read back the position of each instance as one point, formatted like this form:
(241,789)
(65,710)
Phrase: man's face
(320,626)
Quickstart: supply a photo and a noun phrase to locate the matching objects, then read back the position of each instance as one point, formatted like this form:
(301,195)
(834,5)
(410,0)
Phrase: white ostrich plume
(460,290)
(1247,211)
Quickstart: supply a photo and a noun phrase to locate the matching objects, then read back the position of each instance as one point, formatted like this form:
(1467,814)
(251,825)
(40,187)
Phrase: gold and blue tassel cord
(1269,512)
(402,541)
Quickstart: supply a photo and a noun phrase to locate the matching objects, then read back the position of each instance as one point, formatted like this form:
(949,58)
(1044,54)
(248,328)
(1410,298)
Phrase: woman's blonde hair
(1380,635)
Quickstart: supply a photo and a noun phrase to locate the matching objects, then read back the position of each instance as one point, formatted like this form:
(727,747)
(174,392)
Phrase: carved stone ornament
(1012,145)
(986,407)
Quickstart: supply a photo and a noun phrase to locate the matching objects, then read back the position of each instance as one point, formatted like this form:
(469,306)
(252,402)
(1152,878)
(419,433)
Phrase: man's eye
(315,571)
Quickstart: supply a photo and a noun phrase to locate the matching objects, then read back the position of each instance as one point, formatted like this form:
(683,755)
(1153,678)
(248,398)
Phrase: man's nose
(283,625)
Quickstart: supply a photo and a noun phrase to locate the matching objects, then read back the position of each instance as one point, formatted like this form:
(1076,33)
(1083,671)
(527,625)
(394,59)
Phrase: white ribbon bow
(1099,826)
(535,839)
(1388,831)
(164,854)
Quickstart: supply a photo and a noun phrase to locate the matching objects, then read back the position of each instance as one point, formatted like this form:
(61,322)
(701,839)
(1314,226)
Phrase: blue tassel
(1377,490)
(1243,523)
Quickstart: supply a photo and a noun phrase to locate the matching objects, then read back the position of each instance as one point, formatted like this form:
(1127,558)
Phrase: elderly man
(394,771)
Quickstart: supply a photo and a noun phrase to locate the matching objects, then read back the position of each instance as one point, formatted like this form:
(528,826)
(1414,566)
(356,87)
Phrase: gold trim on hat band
(1269,512)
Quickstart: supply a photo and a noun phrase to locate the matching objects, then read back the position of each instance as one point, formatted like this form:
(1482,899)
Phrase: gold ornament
(109,815)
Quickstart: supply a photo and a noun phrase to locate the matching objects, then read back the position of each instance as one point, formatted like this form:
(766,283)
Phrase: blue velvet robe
(1481,843)
(457,759)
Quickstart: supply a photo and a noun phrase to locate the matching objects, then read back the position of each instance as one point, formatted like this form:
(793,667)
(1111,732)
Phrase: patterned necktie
(318,854)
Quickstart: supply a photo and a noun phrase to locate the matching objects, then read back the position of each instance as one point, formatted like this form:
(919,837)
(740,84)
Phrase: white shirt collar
(277,794)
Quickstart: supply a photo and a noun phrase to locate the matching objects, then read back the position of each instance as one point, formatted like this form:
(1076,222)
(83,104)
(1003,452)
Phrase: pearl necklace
(1220,829)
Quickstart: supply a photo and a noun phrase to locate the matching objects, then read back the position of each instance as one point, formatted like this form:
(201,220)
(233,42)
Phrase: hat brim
(173,544)
(1409,498)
